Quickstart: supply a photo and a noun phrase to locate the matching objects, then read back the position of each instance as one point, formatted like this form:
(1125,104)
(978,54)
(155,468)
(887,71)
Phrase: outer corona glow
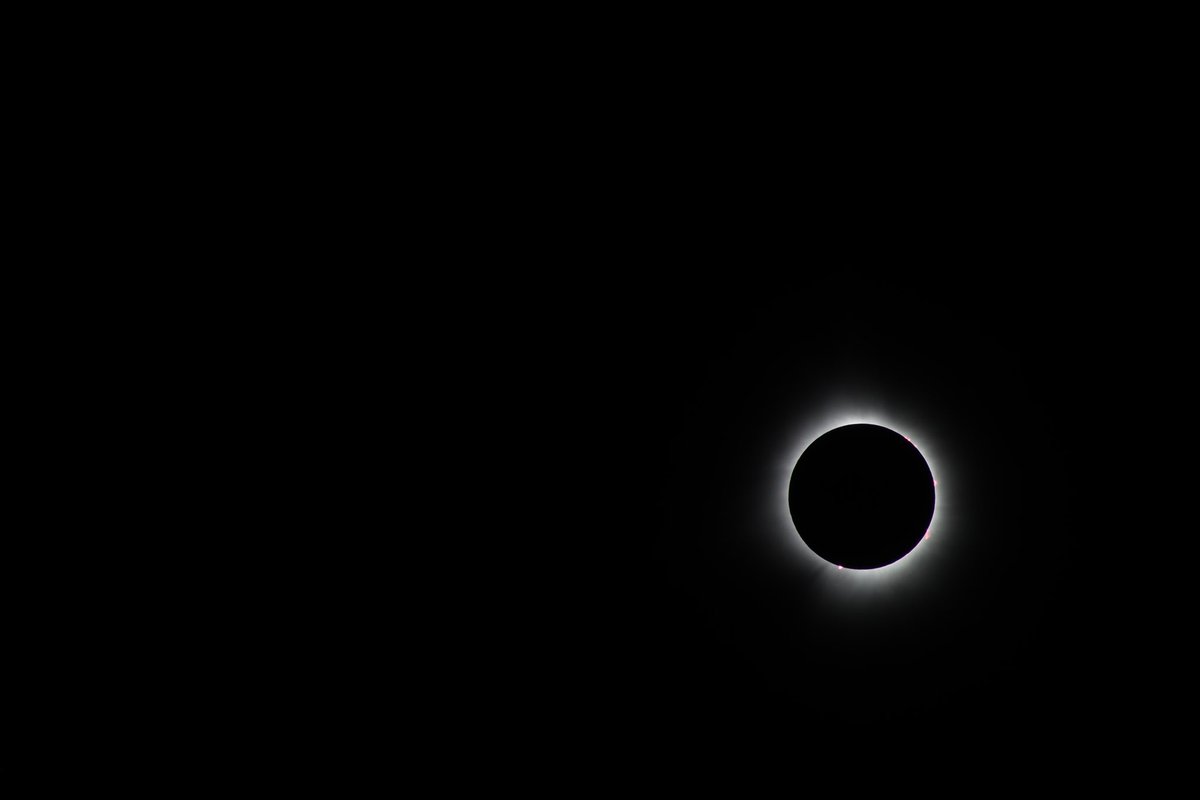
(919,564)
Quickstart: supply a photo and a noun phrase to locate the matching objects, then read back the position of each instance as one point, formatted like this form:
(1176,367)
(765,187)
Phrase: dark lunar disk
(861,496)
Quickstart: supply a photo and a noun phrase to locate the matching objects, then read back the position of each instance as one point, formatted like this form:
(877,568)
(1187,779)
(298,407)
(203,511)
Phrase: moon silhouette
(861,496)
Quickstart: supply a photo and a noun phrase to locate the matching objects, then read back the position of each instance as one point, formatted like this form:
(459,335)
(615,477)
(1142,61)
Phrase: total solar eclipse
(861,496)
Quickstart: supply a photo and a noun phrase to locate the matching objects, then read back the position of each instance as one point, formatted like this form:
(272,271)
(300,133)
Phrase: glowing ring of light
(923,562)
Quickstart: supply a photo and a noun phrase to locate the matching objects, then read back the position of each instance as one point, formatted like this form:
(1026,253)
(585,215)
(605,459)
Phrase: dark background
(638,287)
